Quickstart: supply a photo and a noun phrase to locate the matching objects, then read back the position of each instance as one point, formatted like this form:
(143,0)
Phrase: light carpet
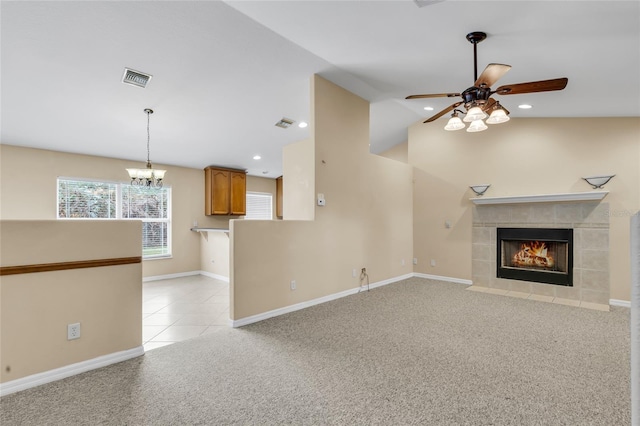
(417,352)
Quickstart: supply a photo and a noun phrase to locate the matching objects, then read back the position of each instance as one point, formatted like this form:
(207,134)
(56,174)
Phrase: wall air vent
(285,123)
(135,78)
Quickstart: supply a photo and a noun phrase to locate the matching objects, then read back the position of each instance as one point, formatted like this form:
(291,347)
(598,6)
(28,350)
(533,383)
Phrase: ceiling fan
(477,99)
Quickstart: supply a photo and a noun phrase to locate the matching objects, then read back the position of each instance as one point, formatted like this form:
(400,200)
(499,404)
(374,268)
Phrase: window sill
(144,259)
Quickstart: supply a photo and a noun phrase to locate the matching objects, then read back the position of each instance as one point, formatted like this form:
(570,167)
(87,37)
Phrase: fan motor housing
(477,95)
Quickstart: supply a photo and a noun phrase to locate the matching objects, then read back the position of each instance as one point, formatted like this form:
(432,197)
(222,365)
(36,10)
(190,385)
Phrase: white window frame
(119,216)
(264,195)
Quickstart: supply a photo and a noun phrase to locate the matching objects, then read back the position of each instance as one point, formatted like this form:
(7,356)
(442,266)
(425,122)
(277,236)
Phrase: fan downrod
(475,38)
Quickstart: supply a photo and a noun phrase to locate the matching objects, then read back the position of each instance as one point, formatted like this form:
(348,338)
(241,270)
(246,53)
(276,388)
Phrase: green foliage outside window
(80,199)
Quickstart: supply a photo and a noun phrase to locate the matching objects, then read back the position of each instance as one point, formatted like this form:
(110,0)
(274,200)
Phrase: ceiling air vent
(285,123)
(135,78)
(423,3)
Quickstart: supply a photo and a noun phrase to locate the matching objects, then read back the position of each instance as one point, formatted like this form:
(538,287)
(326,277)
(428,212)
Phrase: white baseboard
(170,276)
(185,274)
(215,276)
(622,303)
(68,371)
(442,278)
(292,308)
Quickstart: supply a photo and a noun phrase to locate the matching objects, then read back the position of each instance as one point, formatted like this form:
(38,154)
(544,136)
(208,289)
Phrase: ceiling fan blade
(488,107)
(434,95)
(443,112)
(533,86)
(491,74)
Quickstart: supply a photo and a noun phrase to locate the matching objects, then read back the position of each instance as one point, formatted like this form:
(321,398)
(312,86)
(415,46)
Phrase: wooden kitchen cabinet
(225,191)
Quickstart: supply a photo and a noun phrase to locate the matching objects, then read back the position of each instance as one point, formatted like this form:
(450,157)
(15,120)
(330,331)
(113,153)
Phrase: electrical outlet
(354,273)
(402,262)
(415,260)
(293,284)
(433,262)
(73,331)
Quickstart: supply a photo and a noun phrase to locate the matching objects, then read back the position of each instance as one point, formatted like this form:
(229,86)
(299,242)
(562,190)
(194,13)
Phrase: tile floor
(182,308)
(550,299)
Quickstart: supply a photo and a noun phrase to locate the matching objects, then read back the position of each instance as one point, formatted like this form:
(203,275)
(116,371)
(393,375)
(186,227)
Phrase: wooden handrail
(62,266)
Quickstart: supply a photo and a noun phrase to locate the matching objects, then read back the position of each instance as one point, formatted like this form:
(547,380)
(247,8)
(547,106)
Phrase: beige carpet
(417,352)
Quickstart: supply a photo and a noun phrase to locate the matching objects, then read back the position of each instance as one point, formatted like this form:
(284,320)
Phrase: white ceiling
(225,72)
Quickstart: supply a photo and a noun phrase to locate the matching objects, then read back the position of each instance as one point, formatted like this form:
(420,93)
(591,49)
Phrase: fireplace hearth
(543,255)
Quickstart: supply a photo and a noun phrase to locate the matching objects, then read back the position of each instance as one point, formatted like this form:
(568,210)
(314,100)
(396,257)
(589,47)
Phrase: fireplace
(535,254)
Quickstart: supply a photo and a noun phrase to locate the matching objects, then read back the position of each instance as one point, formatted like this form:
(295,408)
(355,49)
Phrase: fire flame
(533,253)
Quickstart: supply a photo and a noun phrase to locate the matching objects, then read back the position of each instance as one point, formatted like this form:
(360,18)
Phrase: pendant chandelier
(148,176)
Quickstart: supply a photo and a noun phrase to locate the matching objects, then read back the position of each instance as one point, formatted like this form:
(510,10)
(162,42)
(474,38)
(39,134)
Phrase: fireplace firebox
(535,254)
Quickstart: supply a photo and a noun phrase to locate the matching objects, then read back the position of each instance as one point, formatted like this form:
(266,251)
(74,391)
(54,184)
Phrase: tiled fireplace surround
(590,223)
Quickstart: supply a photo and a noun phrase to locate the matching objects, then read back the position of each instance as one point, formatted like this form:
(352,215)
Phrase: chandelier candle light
(149,176)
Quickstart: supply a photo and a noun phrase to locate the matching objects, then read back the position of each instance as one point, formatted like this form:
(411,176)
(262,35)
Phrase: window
(259,206)
(84,199)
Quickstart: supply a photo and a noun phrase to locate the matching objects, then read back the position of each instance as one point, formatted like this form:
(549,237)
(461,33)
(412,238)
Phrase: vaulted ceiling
(225,72)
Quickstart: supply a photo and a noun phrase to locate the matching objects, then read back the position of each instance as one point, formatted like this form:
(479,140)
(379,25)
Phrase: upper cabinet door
(217,192)
(238,193)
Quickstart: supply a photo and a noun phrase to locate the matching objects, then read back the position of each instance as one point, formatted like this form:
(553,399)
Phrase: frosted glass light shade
(477,126)
(159,174)
(146,173)
(598,181)
(454,124)
(480,189)
(133,173)
(498,116)
(474,114)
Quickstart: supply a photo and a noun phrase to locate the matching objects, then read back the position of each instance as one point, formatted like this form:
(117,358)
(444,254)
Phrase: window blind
(86,199)
(259,206)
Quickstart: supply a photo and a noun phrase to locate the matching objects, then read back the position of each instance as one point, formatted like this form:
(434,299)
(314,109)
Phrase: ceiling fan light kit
(475,113)
(454,123)
(477,99)
(498,116)
(477,126)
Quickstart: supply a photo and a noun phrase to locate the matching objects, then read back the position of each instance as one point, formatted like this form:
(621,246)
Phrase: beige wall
(35,308)
(398,152)
(298,165)
(33,196)
(214,253)
(367,220)
(524,156)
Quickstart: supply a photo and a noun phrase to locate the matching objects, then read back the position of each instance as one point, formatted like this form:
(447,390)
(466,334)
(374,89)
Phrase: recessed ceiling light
(525,106)
(302,124)
(256,157)
(428,108)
